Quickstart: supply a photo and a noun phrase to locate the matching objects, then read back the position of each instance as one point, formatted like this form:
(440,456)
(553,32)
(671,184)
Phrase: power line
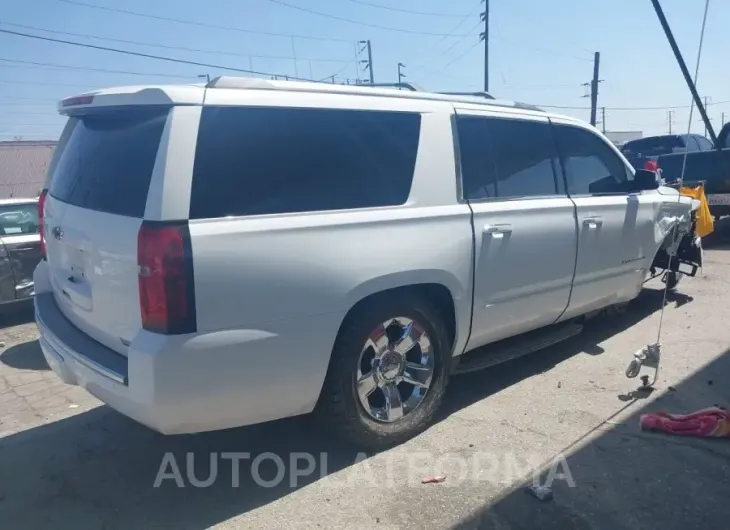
(541,87)
(461,55)
(10,124)
(457,58)
(665,107)
(421,66)
(169,47)
(196,23)
(338,72)
(351,21)
(522,44)
(146,55)
(25,98)
(464,37)
(33,108)
(53,66)
(442,39)
(23,113)
(40,83)
(409,11)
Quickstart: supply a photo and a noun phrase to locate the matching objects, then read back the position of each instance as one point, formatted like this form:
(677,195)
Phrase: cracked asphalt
(67,460)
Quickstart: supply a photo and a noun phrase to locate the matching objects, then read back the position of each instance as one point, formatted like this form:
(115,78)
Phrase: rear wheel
(387,374)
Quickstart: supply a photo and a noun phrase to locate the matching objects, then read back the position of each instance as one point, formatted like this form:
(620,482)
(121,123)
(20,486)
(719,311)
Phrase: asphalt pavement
(567,414)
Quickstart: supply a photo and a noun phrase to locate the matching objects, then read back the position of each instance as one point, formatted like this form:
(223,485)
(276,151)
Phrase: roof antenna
(650,355)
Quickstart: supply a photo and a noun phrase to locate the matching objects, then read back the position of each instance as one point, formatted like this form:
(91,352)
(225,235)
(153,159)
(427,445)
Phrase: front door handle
(592,222)
(498,230)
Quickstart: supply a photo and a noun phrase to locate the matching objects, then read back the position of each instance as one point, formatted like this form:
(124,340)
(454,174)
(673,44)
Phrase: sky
(540,51)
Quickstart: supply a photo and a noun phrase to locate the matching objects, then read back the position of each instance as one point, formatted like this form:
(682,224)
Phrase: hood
(667,191)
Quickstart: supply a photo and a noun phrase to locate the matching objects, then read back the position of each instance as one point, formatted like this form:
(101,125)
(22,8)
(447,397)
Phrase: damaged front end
(680,250)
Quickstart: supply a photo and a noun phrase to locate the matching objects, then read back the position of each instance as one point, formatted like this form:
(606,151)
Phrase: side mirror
(644,180)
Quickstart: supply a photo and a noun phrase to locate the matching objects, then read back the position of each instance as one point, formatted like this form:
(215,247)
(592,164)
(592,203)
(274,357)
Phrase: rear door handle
(592,222)
(498,230)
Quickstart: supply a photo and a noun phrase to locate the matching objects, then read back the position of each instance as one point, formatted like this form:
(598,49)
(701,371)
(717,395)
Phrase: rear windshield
(18,219)
(264,160)
(108,161)
(656,145)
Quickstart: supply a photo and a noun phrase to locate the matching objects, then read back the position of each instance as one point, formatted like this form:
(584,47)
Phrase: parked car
(20,248)
(250,250)
(642,153)
(709,167)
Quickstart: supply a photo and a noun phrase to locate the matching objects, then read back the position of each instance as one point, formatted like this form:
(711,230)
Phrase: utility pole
(594,87)
(705,98)
(603,119)
(723,120)
(401,75)
(683,68)
(485,37)
(670,119)
(369,61)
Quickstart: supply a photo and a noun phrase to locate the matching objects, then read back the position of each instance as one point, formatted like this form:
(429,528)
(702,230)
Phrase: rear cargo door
(94,209)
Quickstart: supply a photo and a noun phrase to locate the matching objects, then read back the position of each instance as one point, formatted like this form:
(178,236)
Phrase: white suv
(229,254)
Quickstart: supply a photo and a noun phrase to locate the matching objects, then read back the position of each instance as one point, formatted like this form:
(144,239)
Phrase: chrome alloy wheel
(395,369)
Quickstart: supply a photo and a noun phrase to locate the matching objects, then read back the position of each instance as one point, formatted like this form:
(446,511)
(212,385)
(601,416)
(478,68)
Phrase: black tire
(339,408)
(672,280)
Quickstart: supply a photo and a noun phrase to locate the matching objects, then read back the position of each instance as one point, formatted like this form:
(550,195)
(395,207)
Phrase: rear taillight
(651,165)
(166,289)
(41,222)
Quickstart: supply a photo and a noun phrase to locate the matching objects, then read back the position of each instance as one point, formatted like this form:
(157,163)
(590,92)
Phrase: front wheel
(672,279)
(387,374)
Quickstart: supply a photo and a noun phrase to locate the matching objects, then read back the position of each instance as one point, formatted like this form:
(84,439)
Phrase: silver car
(20,248)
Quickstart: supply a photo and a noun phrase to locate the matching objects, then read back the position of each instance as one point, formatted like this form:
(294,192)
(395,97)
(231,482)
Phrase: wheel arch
(448,296)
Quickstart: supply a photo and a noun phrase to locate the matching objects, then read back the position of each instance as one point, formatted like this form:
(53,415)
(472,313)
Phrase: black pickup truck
(642,150)
(710,167)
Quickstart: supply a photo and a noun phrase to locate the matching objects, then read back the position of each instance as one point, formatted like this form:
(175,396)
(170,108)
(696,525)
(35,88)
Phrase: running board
(508,349)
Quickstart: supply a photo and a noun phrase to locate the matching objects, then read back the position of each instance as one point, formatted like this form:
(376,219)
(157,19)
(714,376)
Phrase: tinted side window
(108,161)
(705,144)
(18,219)
(591,166)
(506,158)
(253,161)
(691,143)
(478,174)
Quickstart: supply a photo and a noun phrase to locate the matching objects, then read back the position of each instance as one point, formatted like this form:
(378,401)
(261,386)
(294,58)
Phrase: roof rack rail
(229,81)
(485,95)
(265,84)
(409,86)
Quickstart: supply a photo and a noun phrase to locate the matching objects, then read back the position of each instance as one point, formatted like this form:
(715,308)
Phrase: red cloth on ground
(712,422)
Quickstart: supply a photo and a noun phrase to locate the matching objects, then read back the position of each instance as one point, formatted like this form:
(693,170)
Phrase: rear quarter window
(264,160)
(107,163)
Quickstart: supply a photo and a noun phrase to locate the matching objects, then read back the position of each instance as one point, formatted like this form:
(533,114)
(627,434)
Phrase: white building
(621,137)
